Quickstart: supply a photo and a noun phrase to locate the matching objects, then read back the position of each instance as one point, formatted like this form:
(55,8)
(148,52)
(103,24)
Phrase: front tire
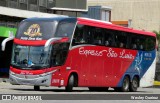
(134,84)
(70,84)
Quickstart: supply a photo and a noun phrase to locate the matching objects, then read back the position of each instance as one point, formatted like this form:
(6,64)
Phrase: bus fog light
(43,81)
(62,82)
(10,79)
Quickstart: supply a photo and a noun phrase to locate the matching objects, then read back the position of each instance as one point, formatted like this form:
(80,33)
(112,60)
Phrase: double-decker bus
(80,52)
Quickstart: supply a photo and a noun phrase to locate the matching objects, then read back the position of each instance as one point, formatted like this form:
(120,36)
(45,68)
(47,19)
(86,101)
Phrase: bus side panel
(89,64)
(121,65)
(97,66)
(80,63)
(96,69)
(148,77)
(144,67)
(84,70)
(108,76)
(148,72)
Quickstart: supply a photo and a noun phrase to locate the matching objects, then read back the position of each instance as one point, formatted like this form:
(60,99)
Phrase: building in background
(138,14)
(98,12)
(72,8)
(143,14)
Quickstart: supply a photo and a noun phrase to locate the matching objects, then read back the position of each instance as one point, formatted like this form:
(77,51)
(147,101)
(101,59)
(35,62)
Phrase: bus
(80,52)
(5,56)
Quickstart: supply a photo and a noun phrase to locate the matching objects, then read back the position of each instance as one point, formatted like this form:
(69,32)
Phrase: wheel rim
(135,83)
(126,84)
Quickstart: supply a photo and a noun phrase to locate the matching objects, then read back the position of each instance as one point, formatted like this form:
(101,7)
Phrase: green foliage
(157,34)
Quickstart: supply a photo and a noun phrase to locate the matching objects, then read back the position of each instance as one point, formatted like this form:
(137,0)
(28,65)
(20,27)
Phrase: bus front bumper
(38,80)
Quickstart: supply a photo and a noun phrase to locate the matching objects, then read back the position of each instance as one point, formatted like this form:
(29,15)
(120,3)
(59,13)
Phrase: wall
(145,14)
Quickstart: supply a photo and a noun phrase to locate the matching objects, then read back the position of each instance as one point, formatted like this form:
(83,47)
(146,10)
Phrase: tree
(158,36)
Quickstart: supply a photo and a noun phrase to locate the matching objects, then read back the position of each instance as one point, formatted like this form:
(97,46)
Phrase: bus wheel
(125,84)
(70,84)
(134,84)
(36,88)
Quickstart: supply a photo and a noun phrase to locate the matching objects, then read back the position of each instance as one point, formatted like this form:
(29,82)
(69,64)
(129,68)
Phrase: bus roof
(109,25)
(49,19)
(93,22)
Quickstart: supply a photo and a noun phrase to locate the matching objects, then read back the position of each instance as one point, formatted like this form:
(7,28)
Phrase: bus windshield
(36,29)
(30,57)
(44,30)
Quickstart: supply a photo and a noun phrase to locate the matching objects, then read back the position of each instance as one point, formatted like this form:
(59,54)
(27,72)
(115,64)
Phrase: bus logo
(33,30)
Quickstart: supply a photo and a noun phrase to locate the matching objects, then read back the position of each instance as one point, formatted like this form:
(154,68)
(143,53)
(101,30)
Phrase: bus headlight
(12,73)
(45,74)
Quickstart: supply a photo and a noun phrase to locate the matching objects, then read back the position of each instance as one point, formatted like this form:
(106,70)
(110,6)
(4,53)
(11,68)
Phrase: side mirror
(11,37)
(49,42)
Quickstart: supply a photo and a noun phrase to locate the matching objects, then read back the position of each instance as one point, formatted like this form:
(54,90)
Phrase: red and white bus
(80,52)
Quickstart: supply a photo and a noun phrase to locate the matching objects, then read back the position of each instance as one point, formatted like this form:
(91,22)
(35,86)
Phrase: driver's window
(59,54)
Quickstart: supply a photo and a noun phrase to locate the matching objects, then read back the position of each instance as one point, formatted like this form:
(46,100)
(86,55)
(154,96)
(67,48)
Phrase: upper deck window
(44,30)
(36,29)
(65,29)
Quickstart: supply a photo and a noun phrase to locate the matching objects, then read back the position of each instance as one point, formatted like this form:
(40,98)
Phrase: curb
(156,83)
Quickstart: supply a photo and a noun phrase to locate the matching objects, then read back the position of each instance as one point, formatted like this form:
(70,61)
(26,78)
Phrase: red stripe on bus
(31,72)
(30,42)
(27,72)
(112,26)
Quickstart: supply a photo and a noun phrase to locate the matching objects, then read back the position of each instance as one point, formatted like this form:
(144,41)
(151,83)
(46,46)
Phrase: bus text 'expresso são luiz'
(79,52)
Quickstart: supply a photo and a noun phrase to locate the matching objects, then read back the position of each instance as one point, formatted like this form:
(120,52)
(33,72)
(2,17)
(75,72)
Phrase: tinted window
(137,42)
(120,39)
(108,38)
(59,54)
(98,36)
(88,35)
(81,36)
(34,29)
(65,29)
(112,38)
(150,43)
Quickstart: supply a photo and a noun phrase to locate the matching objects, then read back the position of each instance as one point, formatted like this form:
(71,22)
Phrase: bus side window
(59,54)
(77,36)
(97,36)
(108,38)
(82,35)
(150,43)
(120,39)
(137,42)
(133,44)
(140,42)
(65,29)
